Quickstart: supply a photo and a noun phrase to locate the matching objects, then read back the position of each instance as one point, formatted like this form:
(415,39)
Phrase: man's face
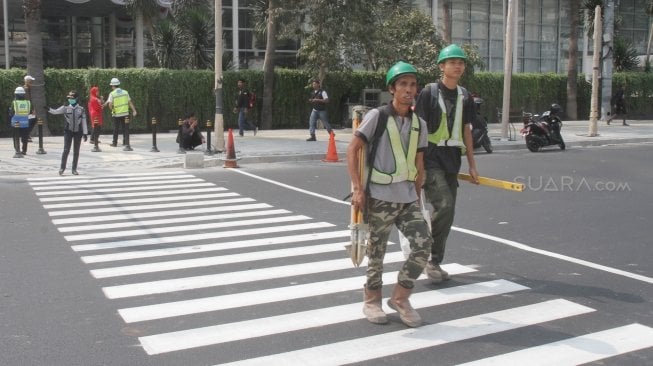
(241,84)
(316,85)
(404,89)
(453,67)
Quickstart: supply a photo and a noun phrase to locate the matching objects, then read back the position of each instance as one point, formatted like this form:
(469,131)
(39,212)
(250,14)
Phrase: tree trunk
(647,62)
(572,66)
(446,20)
(35,59)
(268,66)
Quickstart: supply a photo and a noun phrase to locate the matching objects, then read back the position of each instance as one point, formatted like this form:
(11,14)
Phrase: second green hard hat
(451,51)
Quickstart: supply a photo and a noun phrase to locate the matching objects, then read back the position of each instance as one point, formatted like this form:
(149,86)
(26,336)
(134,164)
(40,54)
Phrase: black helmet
(72,95)
(555,108)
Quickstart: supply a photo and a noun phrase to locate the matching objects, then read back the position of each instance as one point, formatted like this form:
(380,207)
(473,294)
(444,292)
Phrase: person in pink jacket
(95,105)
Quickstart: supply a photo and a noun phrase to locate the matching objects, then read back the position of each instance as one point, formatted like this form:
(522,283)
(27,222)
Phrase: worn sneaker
(435,273)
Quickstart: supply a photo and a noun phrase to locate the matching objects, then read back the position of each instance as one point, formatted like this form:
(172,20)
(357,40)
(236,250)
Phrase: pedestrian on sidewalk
(318,100)
(95,105)
(119,102)
(191,136)
(74,130)
(28,80)
(449,111)
(618,103)
(243,98)
(20,111)
(395,139)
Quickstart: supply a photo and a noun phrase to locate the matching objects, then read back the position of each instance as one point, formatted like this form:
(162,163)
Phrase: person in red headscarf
(95,105)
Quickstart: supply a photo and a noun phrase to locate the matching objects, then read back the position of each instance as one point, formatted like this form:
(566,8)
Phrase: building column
(97,42)
(235,37)
(112,40)
(140,40)
(73,41)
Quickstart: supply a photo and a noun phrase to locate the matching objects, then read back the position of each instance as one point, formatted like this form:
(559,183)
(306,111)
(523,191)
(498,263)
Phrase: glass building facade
(542,34)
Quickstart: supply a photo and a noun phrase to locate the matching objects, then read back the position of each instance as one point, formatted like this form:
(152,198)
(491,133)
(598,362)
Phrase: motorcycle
(479,128)
(544,130)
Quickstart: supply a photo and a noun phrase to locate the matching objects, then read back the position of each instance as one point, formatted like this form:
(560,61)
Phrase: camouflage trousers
(382,216)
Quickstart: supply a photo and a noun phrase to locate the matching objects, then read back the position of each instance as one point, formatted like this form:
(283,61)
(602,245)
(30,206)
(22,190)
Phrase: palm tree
(170,45)
(32,9)
(572,68)
(649,12)
(268,64)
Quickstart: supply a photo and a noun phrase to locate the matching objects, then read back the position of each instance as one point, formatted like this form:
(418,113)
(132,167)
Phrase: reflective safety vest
(441,136)
(22,108)
(405,168)
(120,100)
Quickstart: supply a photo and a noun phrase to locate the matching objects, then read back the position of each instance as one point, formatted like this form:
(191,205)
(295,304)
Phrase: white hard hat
(29,78)
(19,90)
(114,82)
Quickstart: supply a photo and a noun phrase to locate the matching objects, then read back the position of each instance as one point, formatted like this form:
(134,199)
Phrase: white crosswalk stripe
(163,261)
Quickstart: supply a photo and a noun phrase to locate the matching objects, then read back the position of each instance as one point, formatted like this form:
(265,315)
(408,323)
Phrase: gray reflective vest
(405,168)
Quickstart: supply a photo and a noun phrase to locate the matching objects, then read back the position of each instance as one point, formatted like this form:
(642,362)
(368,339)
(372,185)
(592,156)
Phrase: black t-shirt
(447,158)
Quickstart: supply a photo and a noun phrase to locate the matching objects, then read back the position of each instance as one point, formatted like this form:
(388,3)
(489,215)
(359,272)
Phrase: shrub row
(168,94)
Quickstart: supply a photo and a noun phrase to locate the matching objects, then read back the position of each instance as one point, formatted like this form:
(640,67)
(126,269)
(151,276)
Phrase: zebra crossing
(162,262)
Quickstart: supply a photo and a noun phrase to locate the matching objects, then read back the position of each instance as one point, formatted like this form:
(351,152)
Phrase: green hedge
(168,94)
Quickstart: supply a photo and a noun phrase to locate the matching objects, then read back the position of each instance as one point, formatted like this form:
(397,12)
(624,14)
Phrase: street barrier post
(209,126)
(154,148)
(40,130)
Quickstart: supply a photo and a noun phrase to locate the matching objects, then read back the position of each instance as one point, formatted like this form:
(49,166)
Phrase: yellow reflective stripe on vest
(120,102)
(22,107)
(441,137)
(405,168)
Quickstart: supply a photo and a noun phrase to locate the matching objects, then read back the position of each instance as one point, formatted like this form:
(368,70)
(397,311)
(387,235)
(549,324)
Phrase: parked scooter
(543,130)
(479,128)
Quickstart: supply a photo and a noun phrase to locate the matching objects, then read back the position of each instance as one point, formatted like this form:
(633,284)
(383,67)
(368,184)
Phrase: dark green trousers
(441,189)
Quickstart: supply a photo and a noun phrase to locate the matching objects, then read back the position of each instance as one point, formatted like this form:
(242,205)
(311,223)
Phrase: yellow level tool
(496,183)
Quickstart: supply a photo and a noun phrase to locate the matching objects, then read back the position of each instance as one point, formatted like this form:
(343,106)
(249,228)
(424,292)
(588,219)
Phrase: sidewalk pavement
(268,146)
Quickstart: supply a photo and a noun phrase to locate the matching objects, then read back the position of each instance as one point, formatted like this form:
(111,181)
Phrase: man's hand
(474,174)
(358,199)
(134,113)
(85,138)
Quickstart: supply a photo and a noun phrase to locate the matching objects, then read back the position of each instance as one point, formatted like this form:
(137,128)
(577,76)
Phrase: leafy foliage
(168,94)
(624,55)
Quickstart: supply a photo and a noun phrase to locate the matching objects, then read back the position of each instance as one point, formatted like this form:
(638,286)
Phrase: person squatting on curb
(191,136)
(448,110)
(242,108)
(20,111)
(74,129)
(318,100)
(119,102)
(397,173)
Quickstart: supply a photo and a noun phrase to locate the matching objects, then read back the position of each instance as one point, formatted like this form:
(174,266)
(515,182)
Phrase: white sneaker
(435,273)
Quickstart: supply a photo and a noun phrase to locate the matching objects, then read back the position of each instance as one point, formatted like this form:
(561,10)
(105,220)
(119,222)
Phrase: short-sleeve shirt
(399,192)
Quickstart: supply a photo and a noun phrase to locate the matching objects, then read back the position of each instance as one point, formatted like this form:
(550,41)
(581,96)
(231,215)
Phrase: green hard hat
(451,51)
(398,69)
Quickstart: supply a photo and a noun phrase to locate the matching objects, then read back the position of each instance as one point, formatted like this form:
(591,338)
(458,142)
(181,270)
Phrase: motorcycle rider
(448,110)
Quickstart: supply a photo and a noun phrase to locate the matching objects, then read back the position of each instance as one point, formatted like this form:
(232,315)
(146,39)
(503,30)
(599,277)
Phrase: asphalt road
(566,258)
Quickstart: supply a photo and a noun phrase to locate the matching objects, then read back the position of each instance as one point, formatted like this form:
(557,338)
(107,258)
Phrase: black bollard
(95,135)
(40,130)
(209,150)
(154,148)
(180,138)
(17,140)
(127,147)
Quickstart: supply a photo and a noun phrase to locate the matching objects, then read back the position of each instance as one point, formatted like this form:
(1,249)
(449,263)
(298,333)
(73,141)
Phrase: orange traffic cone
(230,161)
(332,154)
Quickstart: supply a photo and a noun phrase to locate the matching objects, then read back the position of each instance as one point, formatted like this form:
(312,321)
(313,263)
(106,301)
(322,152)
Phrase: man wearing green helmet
(395,140)
(448,111)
